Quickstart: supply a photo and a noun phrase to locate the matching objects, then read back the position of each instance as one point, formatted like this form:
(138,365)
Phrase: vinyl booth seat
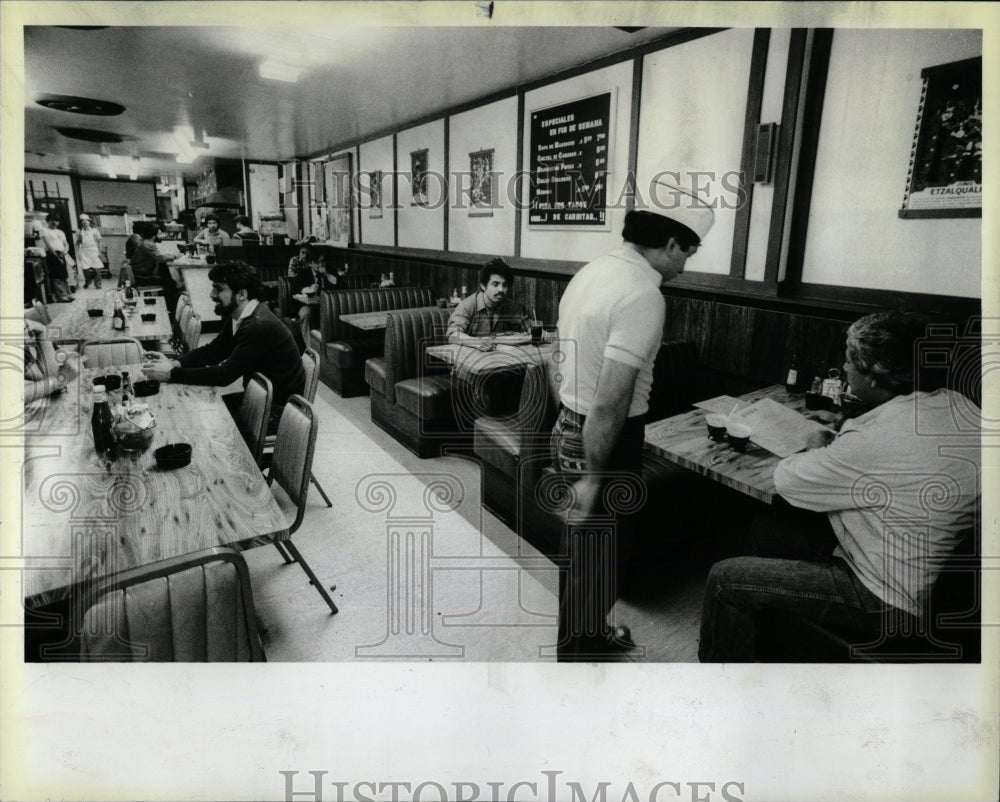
(344,348)
(520,486)
(411,395)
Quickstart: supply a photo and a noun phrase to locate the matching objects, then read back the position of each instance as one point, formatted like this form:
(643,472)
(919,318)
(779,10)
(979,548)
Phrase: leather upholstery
(344,348)
(104,353)
(375,374)
(196,608)
(407,336)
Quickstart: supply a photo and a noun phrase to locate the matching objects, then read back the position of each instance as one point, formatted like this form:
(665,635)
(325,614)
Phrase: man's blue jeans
(792,570)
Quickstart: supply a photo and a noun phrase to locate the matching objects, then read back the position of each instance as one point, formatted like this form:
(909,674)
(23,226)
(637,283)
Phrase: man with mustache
(488,310)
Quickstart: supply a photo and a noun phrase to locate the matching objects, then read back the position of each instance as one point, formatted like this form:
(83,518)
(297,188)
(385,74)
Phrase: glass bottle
(792,378)
(127,392)
(129,292)
(118,317)
(100,422)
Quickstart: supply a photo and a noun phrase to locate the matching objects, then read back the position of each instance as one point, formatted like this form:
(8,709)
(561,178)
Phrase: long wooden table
(373,321)
(73,322)
(683,440)
(85,518)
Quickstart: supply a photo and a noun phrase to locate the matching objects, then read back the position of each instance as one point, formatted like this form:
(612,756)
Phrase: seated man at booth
(880,504)
(489,310)
(252,340)
(149,265)
(245,235)
(211,234)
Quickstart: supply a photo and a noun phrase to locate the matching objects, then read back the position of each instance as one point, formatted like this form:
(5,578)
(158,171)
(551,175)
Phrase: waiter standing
(610,328)
(56,252)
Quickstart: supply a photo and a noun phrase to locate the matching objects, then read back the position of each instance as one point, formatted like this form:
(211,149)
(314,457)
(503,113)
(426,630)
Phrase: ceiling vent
(630,28)
(91,135)
(80,105)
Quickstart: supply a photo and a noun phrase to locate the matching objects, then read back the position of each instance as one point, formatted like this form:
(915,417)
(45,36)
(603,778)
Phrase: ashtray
(146,387)
(148,317)
(110,382)
(95,312)
(149,300)
(175,455)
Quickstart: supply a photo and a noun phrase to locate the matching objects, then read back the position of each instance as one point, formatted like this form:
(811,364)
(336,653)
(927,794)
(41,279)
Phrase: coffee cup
(535,327)
(716,426)
(739,436)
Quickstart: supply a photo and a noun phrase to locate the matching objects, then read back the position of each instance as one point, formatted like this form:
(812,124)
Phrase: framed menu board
(568,161)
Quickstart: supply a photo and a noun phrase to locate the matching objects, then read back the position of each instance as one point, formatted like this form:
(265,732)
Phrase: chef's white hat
(669,200)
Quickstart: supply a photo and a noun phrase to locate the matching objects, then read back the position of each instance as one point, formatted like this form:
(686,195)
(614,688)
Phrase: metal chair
(42,310)
(291,470)
(253,413)
(178,344)
(310,364)
(193,608)
(192,331)
(118,351)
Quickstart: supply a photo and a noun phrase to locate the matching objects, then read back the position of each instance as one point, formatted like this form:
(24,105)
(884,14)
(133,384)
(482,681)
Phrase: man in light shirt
(610,327)
(880,505)
(56,252)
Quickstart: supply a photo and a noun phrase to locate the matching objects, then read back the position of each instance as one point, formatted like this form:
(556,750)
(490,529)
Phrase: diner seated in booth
(489,310)
(860,543)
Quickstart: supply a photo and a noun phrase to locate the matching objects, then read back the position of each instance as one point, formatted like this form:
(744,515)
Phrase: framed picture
(482,194)
(945,176)
(418,177)
(375,193)
(337,181)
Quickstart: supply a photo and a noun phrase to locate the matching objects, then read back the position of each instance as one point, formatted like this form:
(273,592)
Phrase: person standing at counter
(149,266)
(88,251)
(56,254)
(610,327)
(212,234)
(244,231)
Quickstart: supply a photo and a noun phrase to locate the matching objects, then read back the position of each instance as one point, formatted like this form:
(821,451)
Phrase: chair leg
(309,572)
(282,552)
(319,487)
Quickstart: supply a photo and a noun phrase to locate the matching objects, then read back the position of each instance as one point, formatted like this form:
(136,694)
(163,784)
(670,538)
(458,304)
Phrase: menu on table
(775,427)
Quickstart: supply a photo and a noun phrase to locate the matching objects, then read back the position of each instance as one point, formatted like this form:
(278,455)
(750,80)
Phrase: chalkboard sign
(568,160)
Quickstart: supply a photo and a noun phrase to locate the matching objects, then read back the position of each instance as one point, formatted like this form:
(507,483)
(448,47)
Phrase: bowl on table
(132,438)
(149,300)
(148,317)
(174,455)
(111,382)
(146,387)
(95,312)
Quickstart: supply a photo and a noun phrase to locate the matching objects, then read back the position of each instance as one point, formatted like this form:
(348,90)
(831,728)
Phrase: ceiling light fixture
(134,172)
(279,71)
(184,153)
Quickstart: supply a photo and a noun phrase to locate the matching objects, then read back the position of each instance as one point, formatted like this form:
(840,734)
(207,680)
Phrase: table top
(85,518)
(468,361)
(302,298)
(74,323)
(683,439)
(372,321)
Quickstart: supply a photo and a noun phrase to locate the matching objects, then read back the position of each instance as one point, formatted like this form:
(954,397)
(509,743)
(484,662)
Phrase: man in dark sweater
(252,340)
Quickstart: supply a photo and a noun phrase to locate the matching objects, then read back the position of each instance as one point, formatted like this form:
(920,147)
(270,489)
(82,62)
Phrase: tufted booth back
(407,335)
(334,303)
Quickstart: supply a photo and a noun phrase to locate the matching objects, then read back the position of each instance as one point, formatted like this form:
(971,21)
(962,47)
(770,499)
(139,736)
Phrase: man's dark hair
(243,220)
(51,217)
(238,276)
(210,217)
(496,267)
(146,229)
(651,230)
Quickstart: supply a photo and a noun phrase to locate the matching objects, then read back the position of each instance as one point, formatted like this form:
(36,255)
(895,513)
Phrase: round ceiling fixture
(92,135)
(80,105)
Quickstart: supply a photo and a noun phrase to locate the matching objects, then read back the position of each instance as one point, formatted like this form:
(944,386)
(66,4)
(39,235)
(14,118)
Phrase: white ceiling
(358,80)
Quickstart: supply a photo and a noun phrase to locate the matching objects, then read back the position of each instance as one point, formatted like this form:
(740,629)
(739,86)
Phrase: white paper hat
(669,200)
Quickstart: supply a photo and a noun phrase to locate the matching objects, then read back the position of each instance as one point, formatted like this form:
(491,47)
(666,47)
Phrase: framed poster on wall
(568,156)
(945,176)
(482,197)
(337,182)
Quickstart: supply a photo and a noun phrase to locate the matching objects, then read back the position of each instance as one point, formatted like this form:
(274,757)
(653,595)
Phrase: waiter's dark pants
(593,550)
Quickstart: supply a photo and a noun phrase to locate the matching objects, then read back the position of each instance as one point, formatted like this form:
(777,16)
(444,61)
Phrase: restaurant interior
(425,520)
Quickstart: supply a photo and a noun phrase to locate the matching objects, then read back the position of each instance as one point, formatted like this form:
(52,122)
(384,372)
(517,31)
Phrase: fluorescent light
(279,71)
(184,153)
(134,172)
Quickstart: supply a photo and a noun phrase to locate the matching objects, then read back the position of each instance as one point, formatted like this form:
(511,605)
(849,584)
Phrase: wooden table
(468,362)
(372,321)
(84,518)
(683,439)
(74,323)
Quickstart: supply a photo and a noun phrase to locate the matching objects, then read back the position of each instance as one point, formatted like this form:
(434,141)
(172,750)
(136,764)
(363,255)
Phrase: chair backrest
(125,274)
(254,411)
(284,296)
(182,300)
(295,444)
(408,333)
(118,351)
(310,364)
(192,331)
(194,608)
(184,316)
(334,303)
(42,310)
